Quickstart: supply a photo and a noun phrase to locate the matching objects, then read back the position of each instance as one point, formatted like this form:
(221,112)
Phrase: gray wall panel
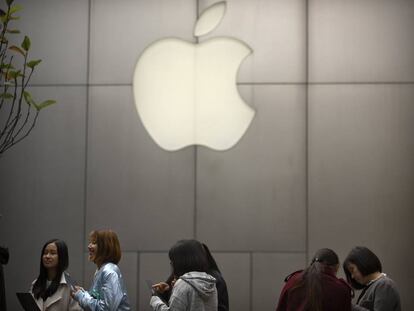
(362,172)
(42,188)
(368,41)
(354,141)
(121,30)
(235,268)
(275,30)
(58,38)
(269,272)
(255,191)
(133,185)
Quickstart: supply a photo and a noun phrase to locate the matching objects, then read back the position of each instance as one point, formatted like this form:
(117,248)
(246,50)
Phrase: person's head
(54,256)
(187,256)
(326,258)
(359,265)
(104,247)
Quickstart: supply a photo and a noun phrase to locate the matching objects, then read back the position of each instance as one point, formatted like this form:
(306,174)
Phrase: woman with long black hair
(194,289)
(316,288)
(51,290)
(214,271)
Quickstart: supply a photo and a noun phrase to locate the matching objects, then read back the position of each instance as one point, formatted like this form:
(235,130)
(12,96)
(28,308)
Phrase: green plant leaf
(16,49)
(13,74)
(6,66)
(45,104)
(13,31)
(33,63)
(15,8)
(29,100)
(26,43)
(6,95)
(27,96)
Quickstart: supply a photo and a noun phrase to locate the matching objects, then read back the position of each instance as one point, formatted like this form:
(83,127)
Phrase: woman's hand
(75,290)
(161,287)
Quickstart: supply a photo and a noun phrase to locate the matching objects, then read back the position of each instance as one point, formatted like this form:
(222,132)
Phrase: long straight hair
(40,288)
(212,265)
(323,260)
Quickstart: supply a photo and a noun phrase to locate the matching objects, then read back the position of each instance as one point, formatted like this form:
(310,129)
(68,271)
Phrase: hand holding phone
(161,287)
(71,282)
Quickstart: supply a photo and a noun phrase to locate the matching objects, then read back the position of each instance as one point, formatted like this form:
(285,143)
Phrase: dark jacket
(4,258)
(336,293)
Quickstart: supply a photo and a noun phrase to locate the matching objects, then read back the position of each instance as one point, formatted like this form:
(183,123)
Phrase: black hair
(323,260)
(4,255)
(40,288)
(212,265)
(187,256)
(366,262)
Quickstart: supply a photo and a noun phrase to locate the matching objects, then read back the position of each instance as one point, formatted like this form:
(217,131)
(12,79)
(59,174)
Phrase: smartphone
(70,281)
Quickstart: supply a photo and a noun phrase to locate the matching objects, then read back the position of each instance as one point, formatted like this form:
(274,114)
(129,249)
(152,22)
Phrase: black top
(4,258)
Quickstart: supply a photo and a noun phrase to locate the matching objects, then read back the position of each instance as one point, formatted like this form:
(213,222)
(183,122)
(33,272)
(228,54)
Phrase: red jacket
(336,294)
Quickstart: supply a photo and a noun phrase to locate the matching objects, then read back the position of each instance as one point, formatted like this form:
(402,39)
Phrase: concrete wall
(327,161)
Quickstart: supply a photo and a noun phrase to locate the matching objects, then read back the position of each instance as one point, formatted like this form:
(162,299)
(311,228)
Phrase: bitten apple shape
(186,93)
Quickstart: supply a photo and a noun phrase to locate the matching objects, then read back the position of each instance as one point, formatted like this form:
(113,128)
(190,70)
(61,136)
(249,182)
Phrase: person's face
(356,274)
(50,258)
(93,249)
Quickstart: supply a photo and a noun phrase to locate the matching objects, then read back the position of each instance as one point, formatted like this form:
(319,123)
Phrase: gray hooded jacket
(193,291)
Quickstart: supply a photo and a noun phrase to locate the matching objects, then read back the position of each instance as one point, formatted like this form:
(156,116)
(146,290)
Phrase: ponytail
(324,259)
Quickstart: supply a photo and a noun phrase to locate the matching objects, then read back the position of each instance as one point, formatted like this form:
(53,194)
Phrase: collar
(62,279)
(376,279)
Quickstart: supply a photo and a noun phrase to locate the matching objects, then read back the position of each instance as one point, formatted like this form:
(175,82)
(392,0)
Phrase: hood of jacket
(202,282)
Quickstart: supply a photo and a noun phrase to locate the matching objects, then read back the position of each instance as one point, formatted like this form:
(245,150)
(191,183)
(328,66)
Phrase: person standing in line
(4,258)
(51,289)
(363,270)
(214,271)
(108,291)
(316,288)
(193,289)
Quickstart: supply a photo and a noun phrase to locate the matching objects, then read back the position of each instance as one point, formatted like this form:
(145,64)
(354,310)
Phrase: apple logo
(186,93)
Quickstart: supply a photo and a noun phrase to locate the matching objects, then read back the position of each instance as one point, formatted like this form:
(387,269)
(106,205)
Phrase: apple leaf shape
(210,18)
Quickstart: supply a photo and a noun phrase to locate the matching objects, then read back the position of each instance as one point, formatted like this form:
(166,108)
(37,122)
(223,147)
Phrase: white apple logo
(186,93)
